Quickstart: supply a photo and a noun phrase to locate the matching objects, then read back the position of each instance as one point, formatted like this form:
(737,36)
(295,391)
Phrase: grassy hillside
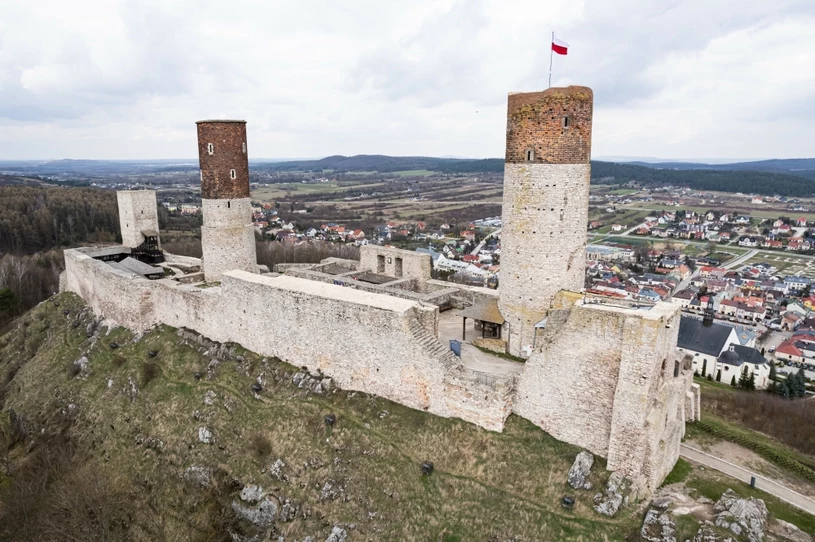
(110,448)
(486,486)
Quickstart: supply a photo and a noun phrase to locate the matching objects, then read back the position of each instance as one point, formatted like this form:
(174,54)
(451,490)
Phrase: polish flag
(560,46)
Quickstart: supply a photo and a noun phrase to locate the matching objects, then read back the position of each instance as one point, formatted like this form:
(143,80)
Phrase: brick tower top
(224,160)
(550,127)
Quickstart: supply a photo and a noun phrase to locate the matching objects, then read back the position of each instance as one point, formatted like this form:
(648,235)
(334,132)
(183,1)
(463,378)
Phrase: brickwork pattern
(555,125)
(227,237)
(137,212)
(229,153)
(543,242)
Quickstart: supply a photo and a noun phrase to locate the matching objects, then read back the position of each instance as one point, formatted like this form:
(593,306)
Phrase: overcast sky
(672,78)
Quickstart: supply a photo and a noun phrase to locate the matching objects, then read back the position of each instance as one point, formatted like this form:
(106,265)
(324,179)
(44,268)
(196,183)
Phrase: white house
(716,351)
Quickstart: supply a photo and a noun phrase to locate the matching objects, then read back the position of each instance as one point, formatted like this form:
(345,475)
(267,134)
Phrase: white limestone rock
(788,531)
(261,516)
(614,496)
(338,534)
(204,435)
(742,516)
(658,526)
(252,493)
(580,470)
(706,534)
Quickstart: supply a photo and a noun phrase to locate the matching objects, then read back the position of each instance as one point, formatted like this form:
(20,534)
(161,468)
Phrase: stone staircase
(432,344)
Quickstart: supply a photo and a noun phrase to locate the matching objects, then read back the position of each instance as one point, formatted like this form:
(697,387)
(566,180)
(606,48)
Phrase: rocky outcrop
(338,534)
(316,383)
(788,531)
(658,526)
(743,517)
(707,534)
(614,496)
(579,473)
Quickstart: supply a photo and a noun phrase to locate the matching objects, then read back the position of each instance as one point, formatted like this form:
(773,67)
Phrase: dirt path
(772,487)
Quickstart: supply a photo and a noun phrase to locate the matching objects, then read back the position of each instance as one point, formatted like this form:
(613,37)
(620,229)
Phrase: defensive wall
(370,342)
(625,392)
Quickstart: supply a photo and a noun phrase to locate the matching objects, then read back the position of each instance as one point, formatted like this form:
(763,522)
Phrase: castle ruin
(598,373)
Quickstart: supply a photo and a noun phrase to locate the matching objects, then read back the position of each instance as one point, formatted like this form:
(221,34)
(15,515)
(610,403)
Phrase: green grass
(680,472)
(413,173)
(485,483)
(713,488)
(766,447)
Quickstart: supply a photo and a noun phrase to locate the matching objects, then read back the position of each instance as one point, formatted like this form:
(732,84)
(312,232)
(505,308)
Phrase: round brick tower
(545,206)
(227,235)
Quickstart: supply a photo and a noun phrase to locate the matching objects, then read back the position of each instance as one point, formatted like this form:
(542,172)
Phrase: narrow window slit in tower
(210,149)
(243,147)
(232,174)
(228,204)
(530,155)
(567,121)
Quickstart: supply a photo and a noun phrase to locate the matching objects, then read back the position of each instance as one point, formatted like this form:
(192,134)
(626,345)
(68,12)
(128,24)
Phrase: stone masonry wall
(227,237)
(543,242)
(137,212)
(386,261)
(392,351)
(536,121)
(618,401)
(229,153)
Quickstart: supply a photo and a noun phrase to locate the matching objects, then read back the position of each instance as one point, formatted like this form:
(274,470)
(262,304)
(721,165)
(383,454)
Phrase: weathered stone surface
(252,493)
(614,496)
(263,515)
(579,473)
(338,534)
(742,516)
(277,470)
(205,435)
(788,531)
(137,213)
(658,526)
(706,534)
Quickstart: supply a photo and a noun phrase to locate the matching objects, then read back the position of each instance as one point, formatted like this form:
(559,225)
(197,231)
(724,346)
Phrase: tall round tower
(227,235)
(545,205)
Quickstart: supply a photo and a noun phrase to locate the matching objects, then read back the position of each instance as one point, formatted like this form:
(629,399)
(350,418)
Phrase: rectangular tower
(227,234)
(138,213)
(545,206)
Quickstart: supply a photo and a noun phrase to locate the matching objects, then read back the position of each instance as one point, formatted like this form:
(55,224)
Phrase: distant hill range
(802,167)
(789,177)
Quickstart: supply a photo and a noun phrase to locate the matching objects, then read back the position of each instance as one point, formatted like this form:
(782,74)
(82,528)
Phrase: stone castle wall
(369,342)
(395,262)
(227,237)
(617,400)
(138,212)
(543,242)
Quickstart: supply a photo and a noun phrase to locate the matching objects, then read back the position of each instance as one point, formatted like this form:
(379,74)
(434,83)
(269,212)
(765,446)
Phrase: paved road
(739,473)
(484,240)
(741,259)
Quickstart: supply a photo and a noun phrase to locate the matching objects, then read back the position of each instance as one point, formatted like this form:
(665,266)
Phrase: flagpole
(550,59)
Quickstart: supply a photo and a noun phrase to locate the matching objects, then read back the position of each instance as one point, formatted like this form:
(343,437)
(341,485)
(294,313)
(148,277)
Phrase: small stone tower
(227,235)
(545,206)
(138,213)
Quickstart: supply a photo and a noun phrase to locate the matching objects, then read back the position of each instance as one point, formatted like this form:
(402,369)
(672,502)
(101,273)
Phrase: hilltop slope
(155,437)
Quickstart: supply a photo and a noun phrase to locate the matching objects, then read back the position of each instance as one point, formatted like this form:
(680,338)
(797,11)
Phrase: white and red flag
(560,46)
